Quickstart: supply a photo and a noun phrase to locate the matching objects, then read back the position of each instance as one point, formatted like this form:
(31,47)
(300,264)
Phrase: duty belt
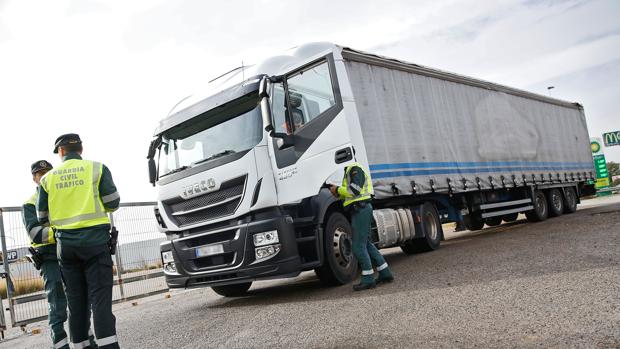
(358,205)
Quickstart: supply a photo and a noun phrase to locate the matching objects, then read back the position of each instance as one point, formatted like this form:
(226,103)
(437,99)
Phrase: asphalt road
(550,284)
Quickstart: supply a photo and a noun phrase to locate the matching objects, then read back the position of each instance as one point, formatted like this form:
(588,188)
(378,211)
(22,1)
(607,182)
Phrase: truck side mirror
(263,94)
(284,140)
(155,144)
(152,171)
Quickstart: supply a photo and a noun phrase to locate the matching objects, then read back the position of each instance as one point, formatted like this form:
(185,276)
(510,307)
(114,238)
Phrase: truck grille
(208,206)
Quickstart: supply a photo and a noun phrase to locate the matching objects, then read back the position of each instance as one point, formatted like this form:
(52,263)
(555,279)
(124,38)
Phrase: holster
(113,240)
(35,258)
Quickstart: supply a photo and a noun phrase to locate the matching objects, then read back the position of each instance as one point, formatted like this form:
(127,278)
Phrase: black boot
(385,277)
(460,226)
(364,286)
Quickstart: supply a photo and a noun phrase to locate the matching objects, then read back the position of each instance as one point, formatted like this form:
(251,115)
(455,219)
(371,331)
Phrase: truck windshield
(231,128)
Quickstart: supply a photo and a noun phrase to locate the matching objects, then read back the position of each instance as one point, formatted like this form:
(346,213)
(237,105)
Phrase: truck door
(308,107)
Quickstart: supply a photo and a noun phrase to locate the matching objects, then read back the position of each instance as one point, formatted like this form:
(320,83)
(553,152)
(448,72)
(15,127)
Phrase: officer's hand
(334,190)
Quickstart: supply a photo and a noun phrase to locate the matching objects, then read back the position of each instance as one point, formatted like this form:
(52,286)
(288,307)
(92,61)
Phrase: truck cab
(240,174)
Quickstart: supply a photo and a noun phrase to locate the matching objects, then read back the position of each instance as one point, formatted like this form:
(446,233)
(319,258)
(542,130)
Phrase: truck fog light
(266,238)
(170,268)
(266,252)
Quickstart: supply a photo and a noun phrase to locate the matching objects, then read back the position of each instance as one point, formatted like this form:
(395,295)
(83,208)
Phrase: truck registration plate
(209,250)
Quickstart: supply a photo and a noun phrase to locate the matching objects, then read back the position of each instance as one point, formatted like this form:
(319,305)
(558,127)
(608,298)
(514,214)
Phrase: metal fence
(137,263)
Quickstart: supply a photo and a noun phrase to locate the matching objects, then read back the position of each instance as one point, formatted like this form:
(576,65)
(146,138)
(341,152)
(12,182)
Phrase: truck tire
(556,202)
(433,233)
(473,223)
(339,265)
(234,290)
(570,200)
(540,211)
(493,221)
(510,217)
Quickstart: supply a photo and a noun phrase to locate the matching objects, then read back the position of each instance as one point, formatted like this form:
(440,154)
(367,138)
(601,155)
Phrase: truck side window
(310,94)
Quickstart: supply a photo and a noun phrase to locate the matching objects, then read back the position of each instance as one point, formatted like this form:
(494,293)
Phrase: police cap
(69,138)
(40,166)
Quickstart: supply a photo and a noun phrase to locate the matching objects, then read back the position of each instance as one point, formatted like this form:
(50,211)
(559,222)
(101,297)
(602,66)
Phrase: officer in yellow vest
(75,198)
(355,192)
(44,245)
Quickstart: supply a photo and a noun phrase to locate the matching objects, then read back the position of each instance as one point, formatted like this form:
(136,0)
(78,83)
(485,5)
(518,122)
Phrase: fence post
(119,262)
(7,272)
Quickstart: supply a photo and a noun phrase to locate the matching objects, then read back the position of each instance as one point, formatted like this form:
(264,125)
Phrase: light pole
(549,88)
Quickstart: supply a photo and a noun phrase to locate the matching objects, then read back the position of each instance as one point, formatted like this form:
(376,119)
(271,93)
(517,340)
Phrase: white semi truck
(240,174)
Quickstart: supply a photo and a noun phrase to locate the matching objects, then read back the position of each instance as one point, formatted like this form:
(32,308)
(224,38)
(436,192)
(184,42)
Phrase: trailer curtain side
(440,134)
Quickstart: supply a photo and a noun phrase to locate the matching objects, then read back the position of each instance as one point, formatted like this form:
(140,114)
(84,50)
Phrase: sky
(110,70)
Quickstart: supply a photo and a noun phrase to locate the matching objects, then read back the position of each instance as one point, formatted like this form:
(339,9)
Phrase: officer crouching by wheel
(355,192)
(75,198)
(43,250)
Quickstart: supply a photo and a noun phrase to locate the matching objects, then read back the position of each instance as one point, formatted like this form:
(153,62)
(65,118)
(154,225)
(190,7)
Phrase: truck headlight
(169,265)
(167,257)
(266,238)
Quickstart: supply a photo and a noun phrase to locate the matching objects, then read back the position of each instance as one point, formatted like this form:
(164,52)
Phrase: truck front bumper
(234,257)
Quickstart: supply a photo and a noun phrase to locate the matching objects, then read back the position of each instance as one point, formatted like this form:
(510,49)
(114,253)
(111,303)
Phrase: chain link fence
(137,263)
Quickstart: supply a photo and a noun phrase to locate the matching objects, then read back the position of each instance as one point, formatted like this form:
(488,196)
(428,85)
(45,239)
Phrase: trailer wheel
(493,221)
(339,266)
(510,217)
(431,226)
(473,223)
(556,202)
(570,200)
(234,290)
(540,211)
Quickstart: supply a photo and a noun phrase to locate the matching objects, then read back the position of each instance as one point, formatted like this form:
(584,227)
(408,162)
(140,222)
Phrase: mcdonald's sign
(611,138)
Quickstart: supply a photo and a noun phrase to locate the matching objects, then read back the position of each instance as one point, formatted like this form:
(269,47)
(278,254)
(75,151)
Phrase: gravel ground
(554,284)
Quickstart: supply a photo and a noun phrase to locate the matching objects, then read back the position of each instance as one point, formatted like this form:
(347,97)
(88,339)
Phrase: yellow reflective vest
(351,192)
(73,195)
(39,235)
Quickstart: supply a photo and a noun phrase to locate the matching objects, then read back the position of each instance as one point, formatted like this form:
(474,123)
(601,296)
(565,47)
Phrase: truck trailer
(241,173)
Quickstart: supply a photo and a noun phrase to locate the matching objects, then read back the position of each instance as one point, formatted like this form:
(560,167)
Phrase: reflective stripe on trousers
(82,344)
(61,343)
(107,340)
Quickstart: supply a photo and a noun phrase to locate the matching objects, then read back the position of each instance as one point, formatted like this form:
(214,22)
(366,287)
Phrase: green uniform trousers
(56,300)
(365,252)
(87,273)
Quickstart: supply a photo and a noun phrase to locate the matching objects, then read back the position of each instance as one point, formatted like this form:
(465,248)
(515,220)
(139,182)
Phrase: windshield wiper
(175,171)
(214,156)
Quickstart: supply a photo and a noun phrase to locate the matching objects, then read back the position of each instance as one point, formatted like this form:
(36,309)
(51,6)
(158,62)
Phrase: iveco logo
(198,188)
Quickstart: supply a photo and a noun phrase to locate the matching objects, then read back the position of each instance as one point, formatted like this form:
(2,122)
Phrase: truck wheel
(473,223)
(570,200)
(556,202)
(432,232)
(339,266)
(234,290)
(540,211)
(510,217)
